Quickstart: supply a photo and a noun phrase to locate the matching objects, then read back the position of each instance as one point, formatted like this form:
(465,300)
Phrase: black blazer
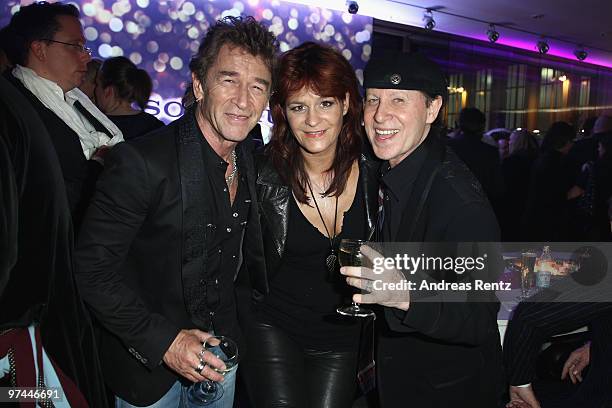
(442,354)
(80,174)
(141,244)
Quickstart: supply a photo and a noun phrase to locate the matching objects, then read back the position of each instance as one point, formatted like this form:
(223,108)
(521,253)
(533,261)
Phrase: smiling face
(397,121)
(315,120)
(64,64)
(235,94)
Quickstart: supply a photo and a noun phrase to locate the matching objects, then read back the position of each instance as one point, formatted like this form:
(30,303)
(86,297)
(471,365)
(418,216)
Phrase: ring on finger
(368,286)
(200,367)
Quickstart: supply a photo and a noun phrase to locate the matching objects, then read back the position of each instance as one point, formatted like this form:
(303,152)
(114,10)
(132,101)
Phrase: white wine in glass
(349,254)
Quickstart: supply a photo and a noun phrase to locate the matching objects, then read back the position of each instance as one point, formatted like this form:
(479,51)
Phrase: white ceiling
(565,23)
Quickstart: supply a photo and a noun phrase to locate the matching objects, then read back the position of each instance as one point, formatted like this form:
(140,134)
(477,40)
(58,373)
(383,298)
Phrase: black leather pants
(280,373)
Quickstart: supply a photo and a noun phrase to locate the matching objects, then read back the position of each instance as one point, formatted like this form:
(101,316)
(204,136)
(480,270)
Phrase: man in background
(48,48)
(482,159)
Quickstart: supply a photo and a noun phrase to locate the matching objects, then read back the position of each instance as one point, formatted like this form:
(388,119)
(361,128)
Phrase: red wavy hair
(327,73)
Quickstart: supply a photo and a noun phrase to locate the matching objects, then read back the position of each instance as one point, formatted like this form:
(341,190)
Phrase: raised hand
(387,286)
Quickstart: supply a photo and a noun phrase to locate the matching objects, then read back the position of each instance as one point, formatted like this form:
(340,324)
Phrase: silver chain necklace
(230,179)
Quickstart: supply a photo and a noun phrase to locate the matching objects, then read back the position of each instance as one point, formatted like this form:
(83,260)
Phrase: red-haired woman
(315,187)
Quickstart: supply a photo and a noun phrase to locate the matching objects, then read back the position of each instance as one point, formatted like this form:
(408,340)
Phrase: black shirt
(224,234)
(136,125)
(397,184)
(304,295)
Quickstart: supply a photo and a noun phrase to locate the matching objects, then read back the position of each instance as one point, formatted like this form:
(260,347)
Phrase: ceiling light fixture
(428,21)
(353,7)
(581,54)
(492,33)
(542,46)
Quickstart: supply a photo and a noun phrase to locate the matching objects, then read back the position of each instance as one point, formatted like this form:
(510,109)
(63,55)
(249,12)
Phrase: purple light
(531,46)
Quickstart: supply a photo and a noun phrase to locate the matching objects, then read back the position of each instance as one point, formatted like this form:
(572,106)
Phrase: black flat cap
(410,71)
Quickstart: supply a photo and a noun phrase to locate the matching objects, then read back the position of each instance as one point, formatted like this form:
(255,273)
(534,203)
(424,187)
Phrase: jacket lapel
(370,183)
(191,173)
(253,250)
(273,200)
(273,203)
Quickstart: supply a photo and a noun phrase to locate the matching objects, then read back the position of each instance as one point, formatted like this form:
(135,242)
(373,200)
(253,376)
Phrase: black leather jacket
(273,202)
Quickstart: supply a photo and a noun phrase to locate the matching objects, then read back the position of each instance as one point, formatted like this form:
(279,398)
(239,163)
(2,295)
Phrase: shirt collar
(71,98)
(399,179)
(48,85)
(211,158)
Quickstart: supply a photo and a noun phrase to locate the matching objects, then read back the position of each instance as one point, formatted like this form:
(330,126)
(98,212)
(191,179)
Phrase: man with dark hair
(48,47)
(481,158)
(432,351)
(179,204)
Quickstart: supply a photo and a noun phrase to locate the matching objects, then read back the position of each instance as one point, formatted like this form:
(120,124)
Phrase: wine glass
(528,260)
(349,254)
(226,350)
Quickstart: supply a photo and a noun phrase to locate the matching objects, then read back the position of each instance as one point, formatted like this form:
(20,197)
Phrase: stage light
(543,46)
(492,33)
(428,21)
(353,7)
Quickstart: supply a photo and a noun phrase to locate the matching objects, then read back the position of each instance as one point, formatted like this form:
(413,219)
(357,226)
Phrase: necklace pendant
(331,260)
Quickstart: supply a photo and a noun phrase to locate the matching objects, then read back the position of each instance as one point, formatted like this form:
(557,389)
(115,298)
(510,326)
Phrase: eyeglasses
(80,48)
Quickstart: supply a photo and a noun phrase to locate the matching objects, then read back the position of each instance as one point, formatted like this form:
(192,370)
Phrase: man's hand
(576,362)
(186,353)
(522,397)
(386,287)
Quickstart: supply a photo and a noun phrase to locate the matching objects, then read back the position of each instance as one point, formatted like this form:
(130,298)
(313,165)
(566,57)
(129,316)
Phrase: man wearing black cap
(431,352)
